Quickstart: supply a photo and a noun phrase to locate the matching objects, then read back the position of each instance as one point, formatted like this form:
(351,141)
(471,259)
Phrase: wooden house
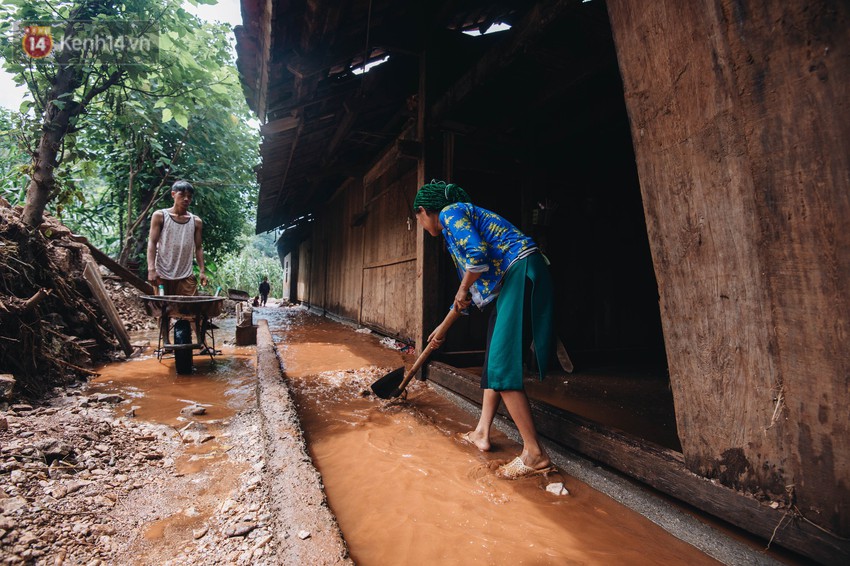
(684,164)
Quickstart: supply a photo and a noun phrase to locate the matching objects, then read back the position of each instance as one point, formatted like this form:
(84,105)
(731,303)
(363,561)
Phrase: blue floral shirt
(482,241)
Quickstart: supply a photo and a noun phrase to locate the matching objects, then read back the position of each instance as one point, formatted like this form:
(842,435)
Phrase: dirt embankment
(52,330)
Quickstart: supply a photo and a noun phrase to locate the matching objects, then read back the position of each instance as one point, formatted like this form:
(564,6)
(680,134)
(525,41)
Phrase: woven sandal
(516,469)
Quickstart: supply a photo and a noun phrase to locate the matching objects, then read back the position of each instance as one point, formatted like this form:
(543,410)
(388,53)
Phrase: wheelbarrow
(187,310)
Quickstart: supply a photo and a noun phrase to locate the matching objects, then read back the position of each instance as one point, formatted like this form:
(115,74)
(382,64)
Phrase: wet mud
(405,490)
(205,477)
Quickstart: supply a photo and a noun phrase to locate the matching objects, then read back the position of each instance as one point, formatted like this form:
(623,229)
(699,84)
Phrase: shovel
(395,382)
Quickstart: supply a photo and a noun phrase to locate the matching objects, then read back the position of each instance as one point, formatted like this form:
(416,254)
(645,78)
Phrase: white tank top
(176,247)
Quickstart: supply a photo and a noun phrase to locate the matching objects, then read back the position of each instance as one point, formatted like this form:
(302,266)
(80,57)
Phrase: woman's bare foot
(483,444)
(538,461)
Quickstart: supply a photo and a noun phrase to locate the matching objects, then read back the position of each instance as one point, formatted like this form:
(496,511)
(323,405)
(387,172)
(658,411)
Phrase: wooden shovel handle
(448,321)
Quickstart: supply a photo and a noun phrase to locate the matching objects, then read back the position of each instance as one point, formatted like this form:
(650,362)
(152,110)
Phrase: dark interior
(549,147)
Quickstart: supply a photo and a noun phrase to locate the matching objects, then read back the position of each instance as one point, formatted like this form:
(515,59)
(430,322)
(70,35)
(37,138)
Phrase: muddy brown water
(405,491)
(157,394)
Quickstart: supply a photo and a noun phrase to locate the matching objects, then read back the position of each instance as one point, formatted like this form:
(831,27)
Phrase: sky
(227,11)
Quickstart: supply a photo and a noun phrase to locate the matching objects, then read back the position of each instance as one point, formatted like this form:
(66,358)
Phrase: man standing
(175,238)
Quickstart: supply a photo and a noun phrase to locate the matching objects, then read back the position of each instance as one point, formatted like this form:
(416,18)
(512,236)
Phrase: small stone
(240,529)
(76,485)
(103,529)
(18,476)
(193,410)
(557,488)
(4,424)
(21,408)
(198,533)
(107,398)
(54,449)
(303,535)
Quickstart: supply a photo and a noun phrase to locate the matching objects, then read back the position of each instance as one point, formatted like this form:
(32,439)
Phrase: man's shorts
(187,286)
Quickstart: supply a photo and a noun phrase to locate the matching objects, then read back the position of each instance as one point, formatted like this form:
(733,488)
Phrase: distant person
(264,290)
(256,301)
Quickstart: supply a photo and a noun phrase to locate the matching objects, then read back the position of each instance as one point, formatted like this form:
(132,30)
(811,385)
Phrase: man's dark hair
(183,187)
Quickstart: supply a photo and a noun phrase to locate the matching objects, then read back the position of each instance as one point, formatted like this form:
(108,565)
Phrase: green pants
(524,302)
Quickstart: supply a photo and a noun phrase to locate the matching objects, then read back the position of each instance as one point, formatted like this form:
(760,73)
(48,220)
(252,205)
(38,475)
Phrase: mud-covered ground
(82,484)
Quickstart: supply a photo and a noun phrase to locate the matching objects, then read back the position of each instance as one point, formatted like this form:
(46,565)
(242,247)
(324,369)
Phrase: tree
(66,73)
(180,114)
(13,156)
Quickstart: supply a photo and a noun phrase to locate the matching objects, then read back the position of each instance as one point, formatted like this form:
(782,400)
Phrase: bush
(245,270)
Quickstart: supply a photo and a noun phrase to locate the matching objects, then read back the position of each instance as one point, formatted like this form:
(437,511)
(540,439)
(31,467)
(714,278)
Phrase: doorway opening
(547,144)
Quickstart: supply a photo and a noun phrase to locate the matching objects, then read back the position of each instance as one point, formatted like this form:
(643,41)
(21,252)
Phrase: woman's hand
(437,337)
(462,299)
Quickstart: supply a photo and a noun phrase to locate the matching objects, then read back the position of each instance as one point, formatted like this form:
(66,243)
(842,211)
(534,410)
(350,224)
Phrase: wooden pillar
(430,312)
(738,113)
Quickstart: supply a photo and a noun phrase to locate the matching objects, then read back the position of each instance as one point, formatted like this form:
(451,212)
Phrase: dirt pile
(51,328)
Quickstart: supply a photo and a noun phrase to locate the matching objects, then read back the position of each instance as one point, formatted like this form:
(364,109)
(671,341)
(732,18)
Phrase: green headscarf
(437,195)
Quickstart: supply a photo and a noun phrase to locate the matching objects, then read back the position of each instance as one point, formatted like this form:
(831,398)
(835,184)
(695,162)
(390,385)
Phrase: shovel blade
(387,386)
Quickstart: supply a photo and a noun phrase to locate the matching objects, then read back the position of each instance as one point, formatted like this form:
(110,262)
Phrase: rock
(303,535)
(18,476)
(101,529)
(240,529)
(11,505)
(557,488)
(7,386)
(113,398)
(193,410)
(4,424)
(58,491)
(21,408)
(195,432)
(75,485)
(54,449)
(198,533)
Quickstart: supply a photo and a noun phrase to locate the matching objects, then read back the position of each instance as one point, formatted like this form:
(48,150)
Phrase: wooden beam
(280,125)
(663,470)
(95,283)
(115,267)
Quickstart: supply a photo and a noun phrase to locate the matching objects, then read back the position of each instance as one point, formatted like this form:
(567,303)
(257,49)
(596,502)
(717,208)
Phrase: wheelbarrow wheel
(183,357)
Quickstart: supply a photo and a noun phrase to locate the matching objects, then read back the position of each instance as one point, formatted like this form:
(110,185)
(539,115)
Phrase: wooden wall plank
(743,163)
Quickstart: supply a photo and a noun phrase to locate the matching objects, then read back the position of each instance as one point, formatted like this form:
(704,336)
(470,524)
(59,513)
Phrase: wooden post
(738,118)
(95,283)
(430,312)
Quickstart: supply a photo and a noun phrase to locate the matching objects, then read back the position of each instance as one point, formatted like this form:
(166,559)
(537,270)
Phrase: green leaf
(182,119)
(166,115)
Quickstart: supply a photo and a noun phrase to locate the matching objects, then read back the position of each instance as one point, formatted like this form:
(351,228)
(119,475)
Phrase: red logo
(37,41)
